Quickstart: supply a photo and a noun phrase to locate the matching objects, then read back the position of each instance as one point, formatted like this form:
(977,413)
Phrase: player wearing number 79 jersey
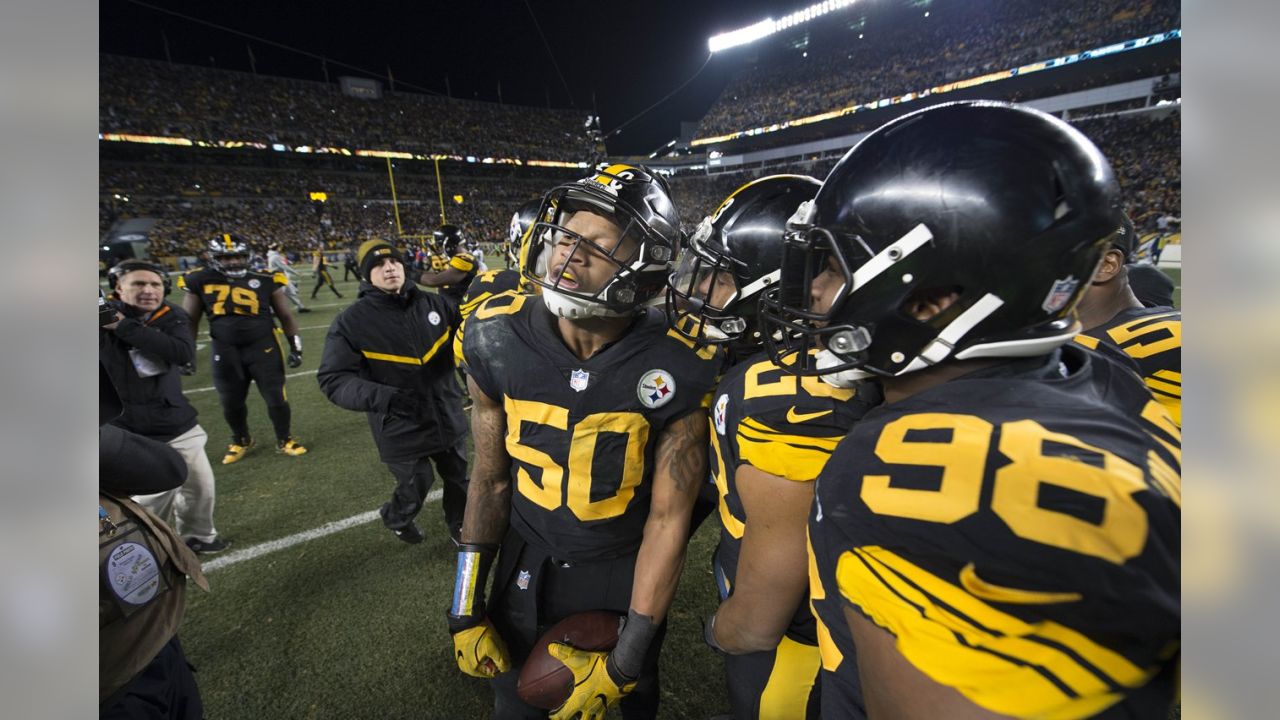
(1002,535)
(241,305)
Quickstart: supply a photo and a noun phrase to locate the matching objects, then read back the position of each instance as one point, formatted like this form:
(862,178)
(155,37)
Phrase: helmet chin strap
(575,308)
(842,379)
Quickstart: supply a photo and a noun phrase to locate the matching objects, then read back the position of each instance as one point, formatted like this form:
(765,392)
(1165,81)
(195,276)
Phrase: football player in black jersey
(321,270)
(495,282)
(591,438)
(1001,536)
(771,433)
(460,268)
(241,305)
(1151,336)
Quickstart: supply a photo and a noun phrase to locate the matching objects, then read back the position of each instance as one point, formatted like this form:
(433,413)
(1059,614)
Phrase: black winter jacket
(153,406)
(384,344)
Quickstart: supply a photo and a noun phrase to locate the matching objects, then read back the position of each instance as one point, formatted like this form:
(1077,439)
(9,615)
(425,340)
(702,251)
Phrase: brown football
(544,681)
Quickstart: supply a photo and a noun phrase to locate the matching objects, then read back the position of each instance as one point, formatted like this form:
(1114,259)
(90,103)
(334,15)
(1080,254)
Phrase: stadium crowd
(880,56)
(1146,153)
(193,204)
(154,98)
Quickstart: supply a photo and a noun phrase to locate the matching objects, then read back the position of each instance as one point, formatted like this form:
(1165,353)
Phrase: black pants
(165,688)
(554,590)
(414,479)
(348,270)
(323,278)
(234,367)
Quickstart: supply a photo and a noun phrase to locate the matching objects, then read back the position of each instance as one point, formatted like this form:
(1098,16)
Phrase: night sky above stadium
(629,54)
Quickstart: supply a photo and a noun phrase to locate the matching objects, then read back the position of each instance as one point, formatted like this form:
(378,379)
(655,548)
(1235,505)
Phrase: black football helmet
(1008,207)
(124,267)
(521,222)
(449,239)
(638,201)
(741,241)
(229,255)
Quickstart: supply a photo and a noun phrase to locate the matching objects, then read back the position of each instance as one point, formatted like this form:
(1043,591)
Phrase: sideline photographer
(143,567)
(143,348)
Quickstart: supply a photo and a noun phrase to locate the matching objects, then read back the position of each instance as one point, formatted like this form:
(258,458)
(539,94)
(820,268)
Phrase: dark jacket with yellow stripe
(384,344)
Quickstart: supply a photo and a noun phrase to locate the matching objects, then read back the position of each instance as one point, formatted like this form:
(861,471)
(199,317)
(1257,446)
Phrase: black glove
(295,352)
(407,404)
(187,368)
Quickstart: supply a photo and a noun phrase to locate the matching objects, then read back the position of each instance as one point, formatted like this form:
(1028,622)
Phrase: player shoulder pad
(463,261)
(279,278)
(193,278)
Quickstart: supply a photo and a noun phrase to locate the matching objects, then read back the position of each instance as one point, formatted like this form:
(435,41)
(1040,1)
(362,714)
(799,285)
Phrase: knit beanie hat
(370,252)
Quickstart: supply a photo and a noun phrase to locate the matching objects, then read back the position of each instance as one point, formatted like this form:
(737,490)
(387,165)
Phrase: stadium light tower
(769,26)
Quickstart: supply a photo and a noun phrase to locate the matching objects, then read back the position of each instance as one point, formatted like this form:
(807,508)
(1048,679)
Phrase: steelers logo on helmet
(1020,207)
(656,388)
(638,252)
(734,255)
(229,255)
(518,232)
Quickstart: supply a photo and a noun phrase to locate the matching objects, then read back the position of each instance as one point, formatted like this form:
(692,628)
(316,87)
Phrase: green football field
(351,623)
(337,618)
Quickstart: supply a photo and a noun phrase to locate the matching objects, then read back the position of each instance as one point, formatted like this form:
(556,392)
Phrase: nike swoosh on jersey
(980,588)
(796,417)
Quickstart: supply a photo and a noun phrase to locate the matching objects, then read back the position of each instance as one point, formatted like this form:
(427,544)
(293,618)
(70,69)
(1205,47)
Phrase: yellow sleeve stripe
(1085,340)
(1164,387)
(1165,477)
(798,458)
(405,359)
(457,345)
(995,659)
(279,278)
(469,306)
(462,262)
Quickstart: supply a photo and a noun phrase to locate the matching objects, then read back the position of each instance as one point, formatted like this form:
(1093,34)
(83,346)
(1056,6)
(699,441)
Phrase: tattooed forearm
(489,491)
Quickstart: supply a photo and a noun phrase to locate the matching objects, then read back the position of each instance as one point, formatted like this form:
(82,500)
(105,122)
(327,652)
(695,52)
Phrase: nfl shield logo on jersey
(656,388)
(1059,294)
(522,580)
(578,380)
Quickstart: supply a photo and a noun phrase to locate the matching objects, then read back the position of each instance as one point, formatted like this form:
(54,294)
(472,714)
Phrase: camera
(107,309)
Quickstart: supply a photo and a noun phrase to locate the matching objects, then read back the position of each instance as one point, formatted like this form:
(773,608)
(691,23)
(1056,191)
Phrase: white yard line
(297,374)
(285,543)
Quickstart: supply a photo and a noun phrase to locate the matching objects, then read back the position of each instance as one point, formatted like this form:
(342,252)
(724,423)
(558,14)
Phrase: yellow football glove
(481,651)
(594,690)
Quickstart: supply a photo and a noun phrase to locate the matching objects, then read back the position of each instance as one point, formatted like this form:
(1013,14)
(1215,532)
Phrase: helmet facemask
(640,259)
(798,327)
(703,296)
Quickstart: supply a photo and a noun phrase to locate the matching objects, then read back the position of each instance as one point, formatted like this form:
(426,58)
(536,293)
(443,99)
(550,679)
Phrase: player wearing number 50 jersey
(1001,536)
(771,433)
(590,435)
(240,305)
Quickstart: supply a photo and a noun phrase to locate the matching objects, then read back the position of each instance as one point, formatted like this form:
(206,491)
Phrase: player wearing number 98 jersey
(1002,535)
(591,436)
(241,305)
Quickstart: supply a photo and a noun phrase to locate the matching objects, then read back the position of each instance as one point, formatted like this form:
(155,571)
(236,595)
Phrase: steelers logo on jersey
(718,414)
(656,388)
(255,283)
(433,318)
